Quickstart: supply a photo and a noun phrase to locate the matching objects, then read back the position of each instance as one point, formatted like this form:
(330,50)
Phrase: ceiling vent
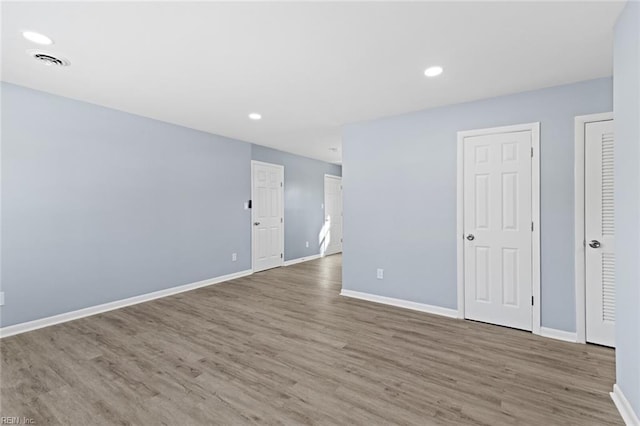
(48,58)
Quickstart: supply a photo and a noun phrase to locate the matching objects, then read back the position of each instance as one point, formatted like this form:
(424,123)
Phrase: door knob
(256,223)
(470,237)
(594,244)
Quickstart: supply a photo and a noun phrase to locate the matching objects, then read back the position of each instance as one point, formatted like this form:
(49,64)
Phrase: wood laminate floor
(282,347)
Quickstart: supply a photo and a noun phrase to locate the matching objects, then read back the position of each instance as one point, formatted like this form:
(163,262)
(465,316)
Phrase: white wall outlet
(1,298)
(322,206)
(380,274)
(234,257)
(307,244)
(246,205)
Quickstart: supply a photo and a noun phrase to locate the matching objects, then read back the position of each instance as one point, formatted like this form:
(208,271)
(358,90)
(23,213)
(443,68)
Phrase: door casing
(534,128)
(579,220)
(253,244)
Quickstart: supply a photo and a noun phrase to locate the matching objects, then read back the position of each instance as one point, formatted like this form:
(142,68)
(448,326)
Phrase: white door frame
(324,211)
(253,245)
(579,220)
(534,128)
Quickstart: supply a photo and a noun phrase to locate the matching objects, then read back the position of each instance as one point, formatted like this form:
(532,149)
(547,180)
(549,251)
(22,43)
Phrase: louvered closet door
(599,233)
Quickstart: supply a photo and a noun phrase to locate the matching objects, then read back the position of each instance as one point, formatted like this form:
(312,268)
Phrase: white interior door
(498,228)
(599,233)
(267,213)
(331,235)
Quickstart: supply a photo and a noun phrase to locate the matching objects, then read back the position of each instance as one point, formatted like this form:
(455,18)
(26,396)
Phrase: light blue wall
(627,127)
(304,198)
(100,205)
(399,183)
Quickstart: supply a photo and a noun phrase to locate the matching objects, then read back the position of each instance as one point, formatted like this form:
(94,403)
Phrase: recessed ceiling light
(433,71)
(37,37)
(255,116)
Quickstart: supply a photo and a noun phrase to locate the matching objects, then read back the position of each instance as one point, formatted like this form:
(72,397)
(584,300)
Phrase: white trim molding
(422,307)
(579,219)
(302,259)
(623,405)
(332,176)
(110,306)
(553,333)
(534,128)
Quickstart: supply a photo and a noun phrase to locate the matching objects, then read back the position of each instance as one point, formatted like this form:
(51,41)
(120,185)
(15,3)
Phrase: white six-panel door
(599,233)
(267,215)
(497,197)
(331,235)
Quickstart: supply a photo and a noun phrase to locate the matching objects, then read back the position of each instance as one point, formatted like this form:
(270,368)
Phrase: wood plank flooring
(282,347)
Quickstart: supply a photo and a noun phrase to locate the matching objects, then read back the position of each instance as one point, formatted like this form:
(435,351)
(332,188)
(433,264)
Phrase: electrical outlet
(380,274)
(307,244)
(234,257)
(1,298)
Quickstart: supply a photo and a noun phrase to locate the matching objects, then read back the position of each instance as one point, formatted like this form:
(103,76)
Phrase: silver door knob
(470,237)
(256,223)
(594,244)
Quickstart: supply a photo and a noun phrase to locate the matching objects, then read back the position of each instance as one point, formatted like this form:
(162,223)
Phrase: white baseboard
(629,416)
(302,259)
(422,307)
(98,309)
(552,333)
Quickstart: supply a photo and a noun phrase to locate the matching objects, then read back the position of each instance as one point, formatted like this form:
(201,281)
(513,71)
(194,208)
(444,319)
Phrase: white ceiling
(308,68)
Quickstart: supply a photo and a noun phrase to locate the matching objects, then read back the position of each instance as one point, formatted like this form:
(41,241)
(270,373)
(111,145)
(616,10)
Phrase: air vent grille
(49,59)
